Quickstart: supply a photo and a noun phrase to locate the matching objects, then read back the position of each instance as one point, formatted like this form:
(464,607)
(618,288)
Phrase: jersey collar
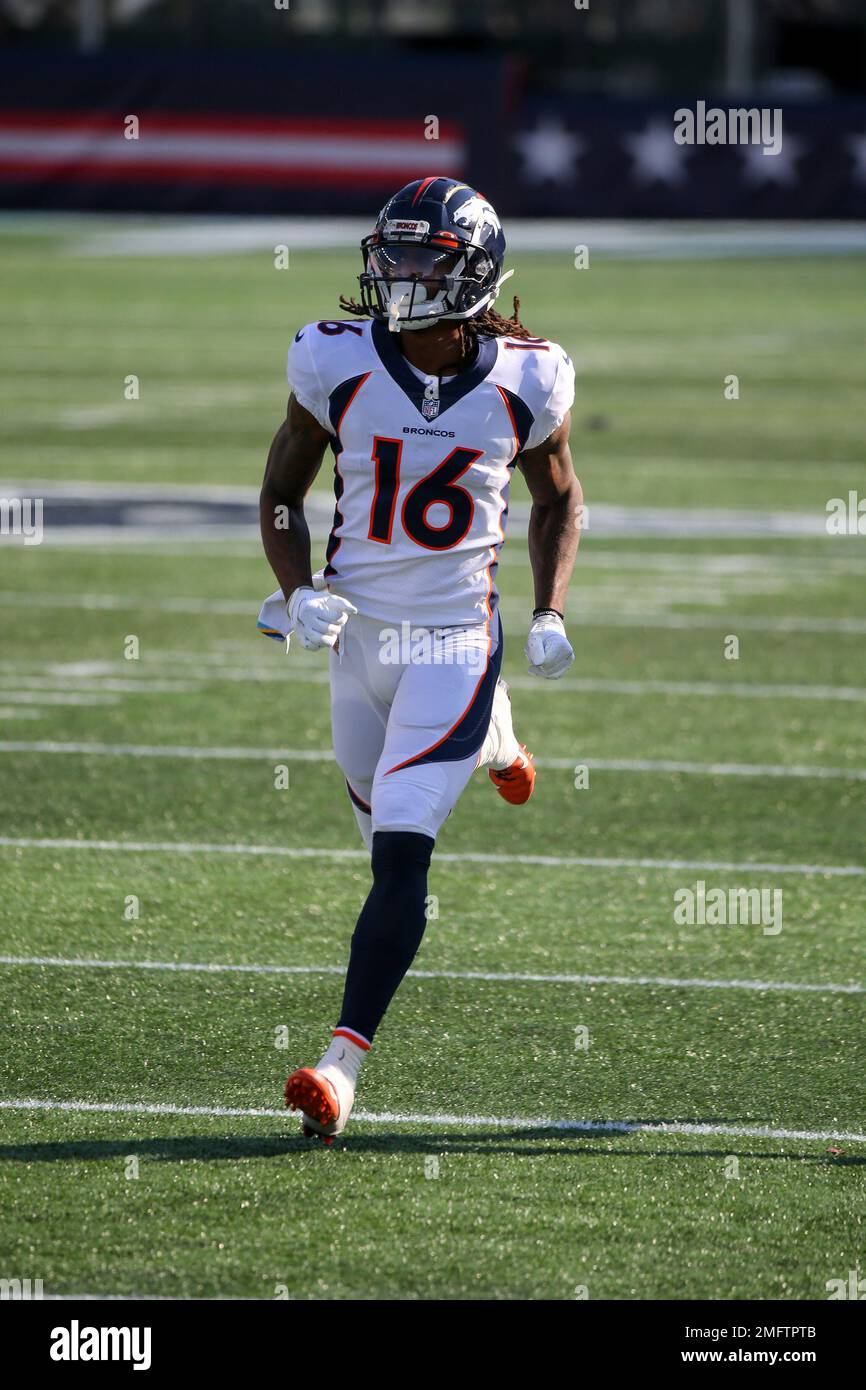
(450,391)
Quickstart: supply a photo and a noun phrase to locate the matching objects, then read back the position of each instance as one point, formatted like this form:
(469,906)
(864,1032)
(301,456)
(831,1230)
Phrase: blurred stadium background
(247,106)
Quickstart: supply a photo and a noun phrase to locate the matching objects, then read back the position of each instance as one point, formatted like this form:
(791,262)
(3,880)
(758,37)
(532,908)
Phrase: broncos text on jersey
(422,465)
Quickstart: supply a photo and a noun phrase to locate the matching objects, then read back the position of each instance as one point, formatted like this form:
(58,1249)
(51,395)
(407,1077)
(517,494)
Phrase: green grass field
(441,1188)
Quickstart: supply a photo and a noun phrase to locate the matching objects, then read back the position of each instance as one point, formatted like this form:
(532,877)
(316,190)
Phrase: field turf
(512,1141)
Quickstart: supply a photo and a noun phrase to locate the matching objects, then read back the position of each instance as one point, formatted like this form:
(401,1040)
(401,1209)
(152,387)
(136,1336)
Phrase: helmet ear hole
(481,268)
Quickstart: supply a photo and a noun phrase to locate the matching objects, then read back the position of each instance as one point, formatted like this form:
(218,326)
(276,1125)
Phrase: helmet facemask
(410,283)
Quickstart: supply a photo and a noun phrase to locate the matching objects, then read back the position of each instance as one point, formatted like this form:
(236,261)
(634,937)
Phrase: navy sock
(389,929)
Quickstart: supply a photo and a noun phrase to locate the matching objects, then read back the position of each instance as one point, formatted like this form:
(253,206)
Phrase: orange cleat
(312,1093)
(516,782)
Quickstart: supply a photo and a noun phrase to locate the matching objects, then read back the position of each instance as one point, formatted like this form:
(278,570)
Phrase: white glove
(318,619)
(547,649)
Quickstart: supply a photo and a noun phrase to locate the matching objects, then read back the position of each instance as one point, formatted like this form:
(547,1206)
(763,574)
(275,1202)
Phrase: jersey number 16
(438,486)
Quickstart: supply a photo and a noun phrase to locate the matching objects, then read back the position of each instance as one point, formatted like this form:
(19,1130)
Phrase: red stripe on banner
(102,171)
(68,122)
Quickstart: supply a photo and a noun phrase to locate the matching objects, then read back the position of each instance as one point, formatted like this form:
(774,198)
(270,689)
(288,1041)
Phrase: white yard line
(614,610)
(325,755)
(114,602)
(200,234)
(492,976)
(462,1121)
(90,685)
(842,774)
(320,852)
(715,689)
(145,750)
(684,622)
(32,697)
(727,690)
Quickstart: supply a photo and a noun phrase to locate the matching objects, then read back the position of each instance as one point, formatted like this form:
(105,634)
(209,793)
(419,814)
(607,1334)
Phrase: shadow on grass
(517,1142)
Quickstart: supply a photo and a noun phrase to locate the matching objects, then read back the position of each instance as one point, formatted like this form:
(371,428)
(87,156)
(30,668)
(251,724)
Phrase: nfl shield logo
(430,407)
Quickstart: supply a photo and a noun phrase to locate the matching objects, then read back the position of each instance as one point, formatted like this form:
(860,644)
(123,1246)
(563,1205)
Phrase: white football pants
(410,708)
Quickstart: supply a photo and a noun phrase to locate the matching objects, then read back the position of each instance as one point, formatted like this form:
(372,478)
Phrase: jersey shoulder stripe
(541,378)
(522,418)
(340,399)
(323,355)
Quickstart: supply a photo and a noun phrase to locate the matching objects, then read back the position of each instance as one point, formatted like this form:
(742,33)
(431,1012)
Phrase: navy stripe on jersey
(356,799)
(338,403)
(470,731)
(521,415)
(333,539)
(450,392)
(339,400)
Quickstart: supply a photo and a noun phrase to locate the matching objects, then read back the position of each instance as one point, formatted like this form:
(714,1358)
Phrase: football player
(429,399)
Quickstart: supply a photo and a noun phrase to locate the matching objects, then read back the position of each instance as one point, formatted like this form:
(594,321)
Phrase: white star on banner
(857,146)
(773,168)
(657,156)
(549,152)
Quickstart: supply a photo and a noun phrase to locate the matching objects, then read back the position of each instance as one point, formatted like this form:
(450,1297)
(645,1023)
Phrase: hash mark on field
(219,753)
(467,857)
(503,976)
(464,1121)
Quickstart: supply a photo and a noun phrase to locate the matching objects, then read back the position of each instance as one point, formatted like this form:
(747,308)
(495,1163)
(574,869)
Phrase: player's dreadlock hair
(488,323)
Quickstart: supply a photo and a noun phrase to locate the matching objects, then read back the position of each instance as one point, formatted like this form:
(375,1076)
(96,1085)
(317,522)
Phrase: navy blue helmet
(436,253)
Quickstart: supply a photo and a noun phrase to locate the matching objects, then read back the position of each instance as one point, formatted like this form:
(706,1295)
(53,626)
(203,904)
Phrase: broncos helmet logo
(476,213)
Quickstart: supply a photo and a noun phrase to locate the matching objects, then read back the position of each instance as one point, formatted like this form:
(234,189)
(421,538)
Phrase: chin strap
(396,324)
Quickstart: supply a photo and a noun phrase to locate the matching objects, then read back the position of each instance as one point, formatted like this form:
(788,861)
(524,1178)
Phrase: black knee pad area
(400,850)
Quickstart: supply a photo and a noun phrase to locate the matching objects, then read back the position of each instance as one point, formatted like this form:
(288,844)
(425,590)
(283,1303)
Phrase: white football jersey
(422,466)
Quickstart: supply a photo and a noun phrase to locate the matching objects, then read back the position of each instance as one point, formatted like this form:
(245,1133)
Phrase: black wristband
(537,612)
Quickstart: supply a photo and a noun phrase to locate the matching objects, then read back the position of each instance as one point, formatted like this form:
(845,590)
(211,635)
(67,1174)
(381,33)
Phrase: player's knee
(401,806)
(400,852)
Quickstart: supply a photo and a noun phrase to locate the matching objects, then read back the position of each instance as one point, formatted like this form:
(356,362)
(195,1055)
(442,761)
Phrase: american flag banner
(219,148)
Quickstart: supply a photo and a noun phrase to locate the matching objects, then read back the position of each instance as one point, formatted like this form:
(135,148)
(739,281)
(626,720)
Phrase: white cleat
(325,1093)
(500,746)
(510,764)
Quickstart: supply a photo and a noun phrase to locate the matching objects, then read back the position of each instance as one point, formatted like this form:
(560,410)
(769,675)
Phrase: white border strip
(551,861)
(463,1121)
(496,976)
